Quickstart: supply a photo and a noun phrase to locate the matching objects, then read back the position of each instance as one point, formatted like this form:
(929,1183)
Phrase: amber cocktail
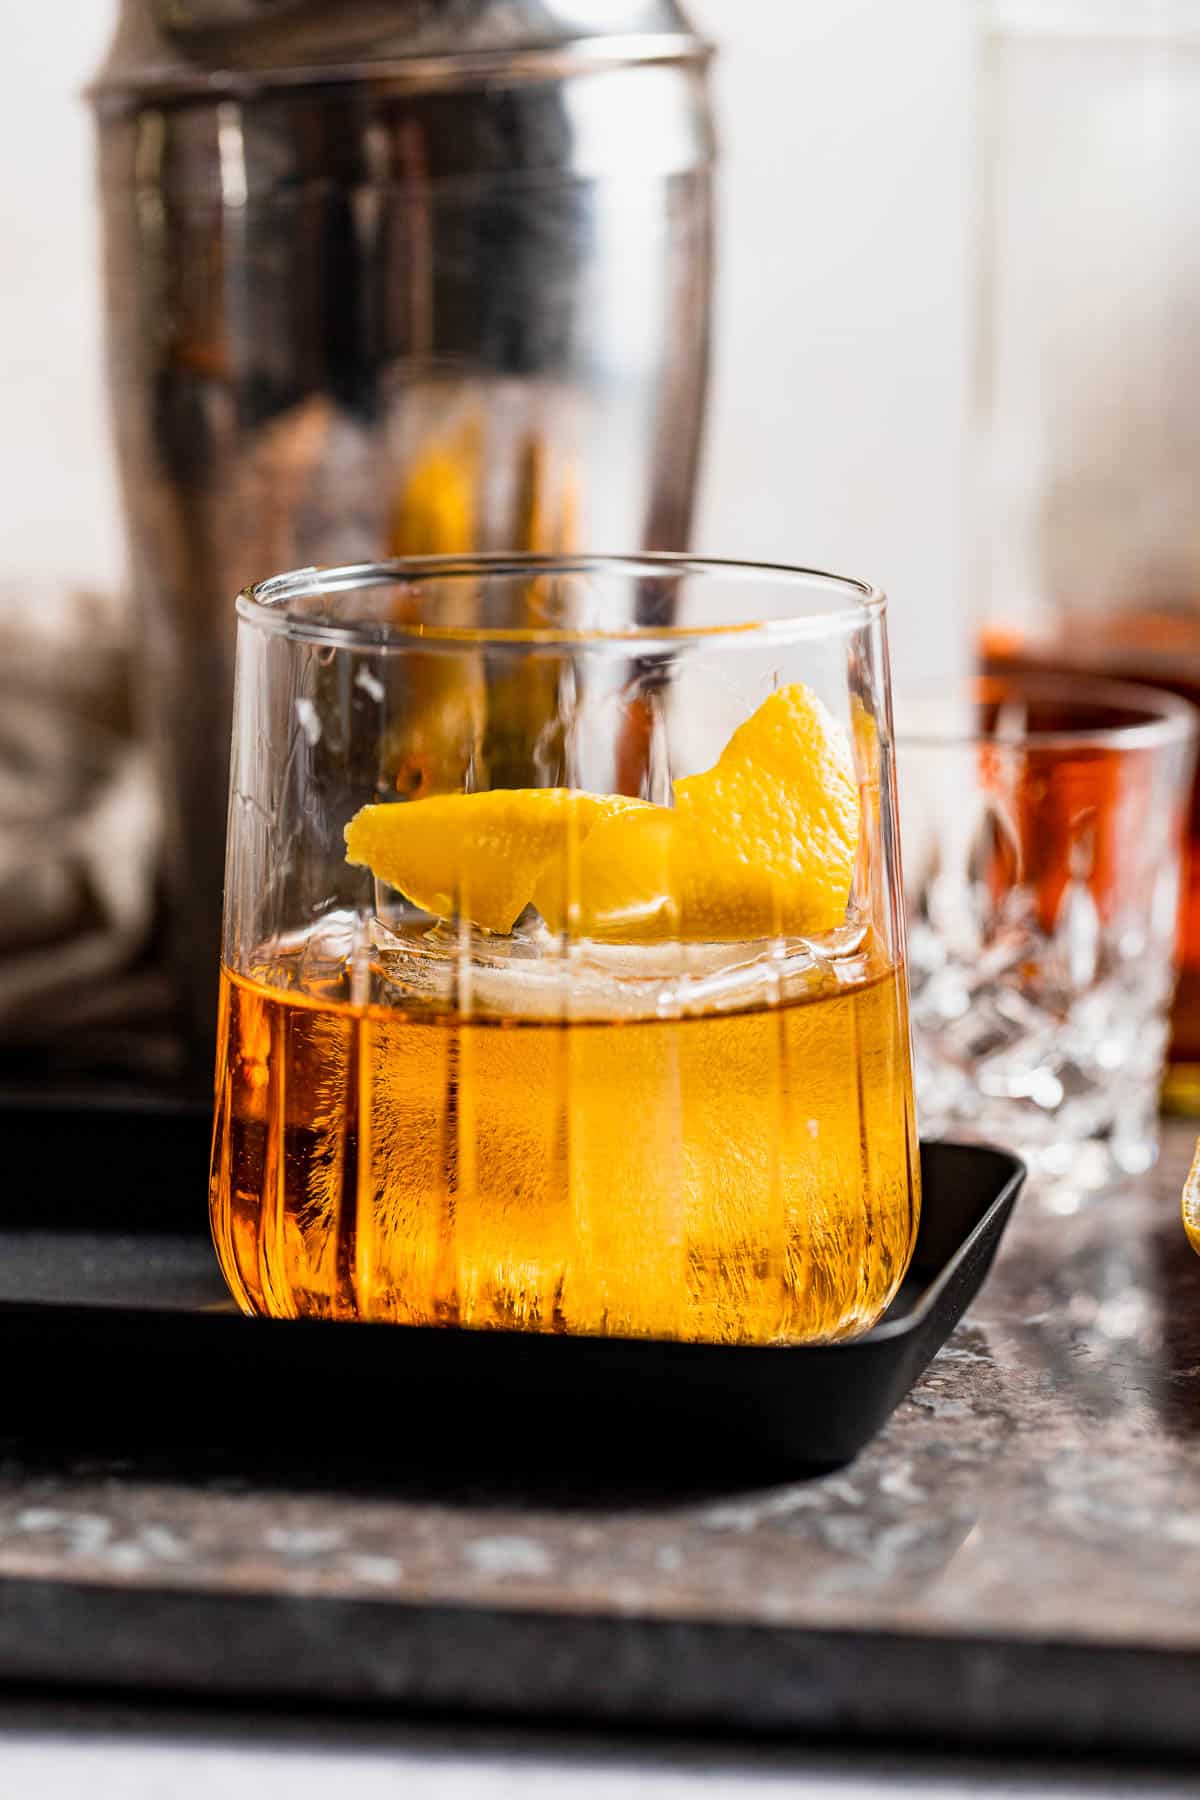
(555,1057)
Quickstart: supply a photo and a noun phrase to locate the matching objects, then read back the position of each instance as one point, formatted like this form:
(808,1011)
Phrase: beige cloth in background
(79,844)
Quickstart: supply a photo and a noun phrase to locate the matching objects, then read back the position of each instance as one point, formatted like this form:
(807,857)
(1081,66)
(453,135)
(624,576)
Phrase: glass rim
(1171,721)
(264,604)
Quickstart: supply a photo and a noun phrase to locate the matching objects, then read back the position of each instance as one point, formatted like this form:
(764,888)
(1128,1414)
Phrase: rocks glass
(1043,827)
(498,1077)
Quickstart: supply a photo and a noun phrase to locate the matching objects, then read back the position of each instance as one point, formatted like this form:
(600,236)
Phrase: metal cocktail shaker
(395,276)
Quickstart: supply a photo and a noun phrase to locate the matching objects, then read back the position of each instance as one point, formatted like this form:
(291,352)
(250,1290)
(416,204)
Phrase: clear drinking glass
(551,1061)
(1043,829)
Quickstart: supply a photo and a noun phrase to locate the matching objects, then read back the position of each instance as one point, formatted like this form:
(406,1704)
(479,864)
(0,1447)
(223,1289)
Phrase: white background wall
(835,437)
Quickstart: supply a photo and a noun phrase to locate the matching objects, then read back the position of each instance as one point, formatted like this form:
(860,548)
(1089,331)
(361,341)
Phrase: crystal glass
(1043,824)
(541,1057)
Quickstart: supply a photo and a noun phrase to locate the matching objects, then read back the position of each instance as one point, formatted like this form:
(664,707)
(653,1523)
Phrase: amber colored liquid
(741,1177)
(1158,649)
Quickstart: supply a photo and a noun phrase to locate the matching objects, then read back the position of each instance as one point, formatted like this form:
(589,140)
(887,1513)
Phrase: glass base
(1066,1170)
(1070,1177)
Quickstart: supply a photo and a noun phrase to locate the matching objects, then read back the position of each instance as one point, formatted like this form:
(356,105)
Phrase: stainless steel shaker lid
(180,45)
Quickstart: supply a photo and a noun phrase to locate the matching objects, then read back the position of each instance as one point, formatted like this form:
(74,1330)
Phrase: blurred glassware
(1042,829)
(387,279)
(1086,543)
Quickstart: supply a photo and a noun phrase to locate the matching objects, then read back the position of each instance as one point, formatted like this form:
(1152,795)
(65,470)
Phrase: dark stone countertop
(1016,1556)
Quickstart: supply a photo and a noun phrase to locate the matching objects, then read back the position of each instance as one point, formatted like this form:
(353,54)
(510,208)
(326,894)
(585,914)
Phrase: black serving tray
(116,1329)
